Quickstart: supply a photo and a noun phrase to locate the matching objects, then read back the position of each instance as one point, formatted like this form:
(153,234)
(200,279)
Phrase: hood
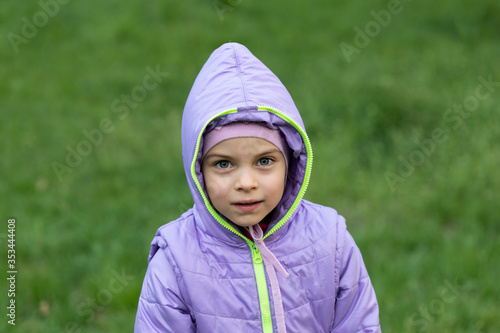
(234,85)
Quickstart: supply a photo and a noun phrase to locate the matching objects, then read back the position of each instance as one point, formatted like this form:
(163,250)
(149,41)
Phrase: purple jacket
(205,276)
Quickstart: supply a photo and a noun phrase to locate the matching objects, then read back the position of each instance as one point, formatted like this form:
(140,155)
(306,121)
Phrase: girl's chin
(246,223)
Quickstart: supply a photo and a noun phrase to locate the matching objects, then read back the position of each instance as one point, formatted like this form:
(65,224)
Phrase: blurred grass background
(429,240)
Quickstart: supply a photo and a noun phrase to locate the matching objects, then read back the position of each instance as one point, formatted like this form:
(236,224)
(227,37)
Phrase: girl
(251,255)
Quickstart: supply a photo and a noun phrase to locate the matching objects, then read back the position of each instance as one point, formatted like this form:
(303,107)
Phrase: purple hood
(234,85)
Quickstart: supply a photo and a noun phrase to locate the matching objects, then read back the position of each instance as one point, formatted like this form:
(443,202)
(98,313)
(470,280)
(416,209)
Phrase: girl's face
(244,178)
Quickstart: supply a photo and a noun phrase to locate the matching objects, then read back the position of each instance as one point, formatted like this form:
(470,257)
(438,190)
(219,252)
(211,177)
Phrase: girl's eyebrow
(269,152)
(217,155)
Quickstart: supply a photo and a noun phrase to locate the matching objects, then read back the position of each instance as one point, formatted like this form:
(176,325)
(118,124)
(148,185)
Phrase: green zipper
(307,174)
(258,265)
(260,277)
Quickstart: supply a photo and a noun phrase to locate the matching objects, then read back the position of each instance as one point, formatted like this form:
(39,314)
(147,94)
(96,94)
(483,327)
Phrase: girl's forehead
(242,147)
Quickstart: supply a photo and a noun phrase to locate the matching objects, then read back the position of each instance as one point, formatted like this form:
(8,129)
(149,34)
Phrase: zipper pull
(256,256)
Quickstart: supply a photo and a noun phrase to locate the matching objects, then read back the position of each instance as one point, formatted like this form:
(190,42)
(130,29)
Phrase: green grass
(438,225)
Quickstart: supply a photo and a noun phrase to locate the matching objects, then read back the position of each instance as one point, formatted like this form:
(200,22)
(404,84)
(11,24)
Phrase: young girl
(251,255)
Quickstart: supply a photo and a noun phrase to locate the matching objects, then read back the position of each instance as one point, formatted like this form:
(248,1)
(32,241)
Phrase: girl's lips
(247,206)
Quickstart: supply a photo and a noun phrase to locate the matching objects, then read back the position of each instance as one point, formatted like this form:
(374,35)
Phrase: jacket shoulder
(317,226)
(323,215)
(326,226)
(172,231)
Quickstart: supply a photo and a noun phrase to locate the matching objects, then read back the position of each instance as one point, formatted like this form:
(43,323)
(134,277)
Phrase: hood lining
(300,163)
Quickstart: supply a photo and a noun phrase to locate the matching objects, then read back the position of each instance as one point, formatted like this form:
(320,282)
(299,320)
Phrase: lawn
(400,99)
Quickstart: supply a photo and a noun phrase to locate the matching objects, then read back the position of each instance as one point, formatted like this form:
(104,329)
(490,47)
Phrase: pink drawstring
(270,261)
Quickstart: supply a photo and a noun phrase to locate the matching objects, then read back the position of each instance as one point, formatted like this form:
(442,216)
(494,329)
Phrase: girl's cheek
(220,186)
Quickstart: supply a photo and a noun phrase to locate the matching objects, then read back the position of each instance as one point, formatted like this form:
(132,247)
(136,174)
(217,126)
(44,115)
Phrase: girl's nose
(246,180)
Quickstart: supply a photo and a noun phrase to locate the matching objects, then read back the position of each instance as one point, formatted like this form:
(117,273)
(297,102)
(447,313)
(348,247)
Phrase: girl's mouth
(247,206)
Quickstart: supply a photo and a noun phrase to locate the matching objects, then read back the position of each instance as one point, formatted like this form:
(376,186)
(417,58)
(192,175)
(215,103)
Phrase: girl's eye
(265,161)
(223,164)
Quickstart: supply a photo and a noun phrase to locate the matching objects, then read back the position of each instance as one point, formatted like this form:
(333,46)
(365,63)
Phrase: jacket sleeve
(356,308)
(161,307)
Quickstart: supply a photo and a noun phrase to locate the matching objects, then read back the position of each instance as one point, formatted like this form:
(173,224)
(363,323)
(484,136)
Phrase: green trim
(307,174)
(212,211)
(302,190)
(260,277)
(258,265)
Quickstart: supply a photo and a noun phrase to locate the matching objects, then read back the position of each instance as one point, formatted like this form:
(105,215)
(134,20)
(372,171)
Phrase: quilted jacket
(205,276)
